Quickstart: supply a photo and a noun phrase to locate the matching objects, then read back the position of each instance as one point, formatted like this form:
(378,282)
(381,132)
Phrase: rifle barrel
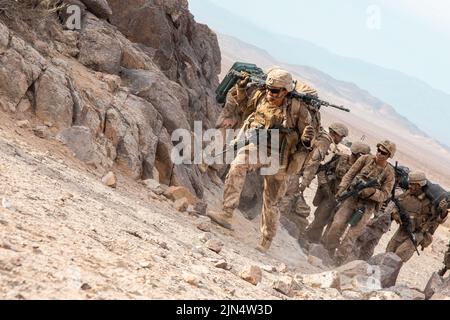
(295,94)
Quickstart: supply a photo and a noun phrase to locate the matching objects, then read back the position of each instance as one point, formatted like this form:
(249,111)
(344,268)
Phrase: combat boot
(264,245)
(222,218)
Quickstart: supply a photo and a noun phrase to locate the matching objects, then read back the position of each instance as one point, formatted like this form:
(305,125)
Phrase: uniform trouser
(322,215)
(293,206)
(339,225)
(219,168)
(274,189)
(402,246)
(368,241)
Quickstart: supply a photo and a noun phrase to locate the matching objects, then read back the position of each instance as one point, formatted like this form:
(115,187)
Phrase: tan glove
(443,205)
(308,134)
(367,193)
(242,84)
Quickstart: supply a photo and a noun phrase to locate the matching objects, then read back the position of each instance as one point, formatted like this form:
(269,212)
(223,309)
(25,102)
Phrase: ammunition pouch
(356,216)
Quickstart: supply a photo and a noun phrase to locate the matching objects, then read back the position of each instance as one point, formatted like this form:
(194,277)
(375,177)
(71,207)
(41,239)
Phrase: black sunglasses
(383,152)
(274,90)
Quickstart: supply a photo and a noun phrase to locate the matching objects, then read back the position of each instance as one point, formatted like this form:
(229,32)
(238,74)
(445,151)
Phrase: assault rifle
(405,221)
(257,77)
(326,167)
(243,139)
(355,189)
(248,135)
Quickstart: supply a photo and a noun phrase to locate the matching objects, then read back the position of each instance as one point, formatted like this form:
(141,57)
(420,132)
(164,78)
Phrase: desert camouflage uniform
(292,114)
(325,196)
(293,205)
(424,221)
(365,168)
(232,111)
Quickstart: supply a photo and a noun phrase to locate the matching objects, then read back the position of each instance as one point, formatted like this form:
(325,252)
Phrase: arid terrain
(65,235)
(86,212)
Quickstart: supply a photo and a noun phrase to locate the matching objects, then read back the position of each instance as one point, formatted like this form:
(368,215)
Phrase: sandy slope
(66,230)
(66,235)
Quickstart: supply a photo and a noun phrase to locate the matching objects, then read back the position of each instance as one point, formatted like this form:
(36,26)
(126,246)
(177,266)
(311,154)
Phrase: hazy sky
(412,36)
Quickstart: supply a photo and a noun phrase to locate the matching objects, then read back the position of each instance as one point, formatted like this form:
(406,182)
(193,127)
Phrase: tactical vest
(284,118)
(418,209)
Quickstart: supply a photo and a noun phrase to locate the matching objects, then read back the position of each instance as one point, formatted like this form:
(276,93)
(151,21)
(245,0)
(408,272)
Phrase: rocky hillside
(86,209)
(113,91)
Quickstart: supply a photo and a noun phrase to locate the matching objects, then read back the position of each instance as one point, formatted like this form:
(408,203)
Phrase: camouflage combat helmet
(339,128)
(418,177)
(360,148)
(388,146)
(280,78)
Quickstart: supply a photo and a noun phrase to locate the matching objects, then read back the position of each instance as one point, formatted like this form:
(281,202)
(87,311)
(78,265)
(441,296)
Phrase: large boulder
(80,141)
(133,128)
(390,265)
(359,276)
(54,102)
(100,8)
(406,293)
(100,48)
(26,64)
(355,268)
(146,22)
(434,285)
(168,97)
(170,174)
(443,291)
(187,52)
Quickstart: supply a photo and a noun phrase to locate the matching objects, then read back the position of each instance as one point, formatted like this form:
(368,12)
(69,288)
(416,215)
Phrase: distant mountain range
(335,91)
(370,118)
(426,107)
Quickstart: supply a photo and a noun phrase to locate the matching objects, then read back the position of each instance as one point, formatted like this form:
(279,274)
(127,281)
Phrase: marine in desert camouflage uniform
(231,117)
(365,245)
(329,179)
(293,206)
(369,200)
(269,108)
(423,216)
